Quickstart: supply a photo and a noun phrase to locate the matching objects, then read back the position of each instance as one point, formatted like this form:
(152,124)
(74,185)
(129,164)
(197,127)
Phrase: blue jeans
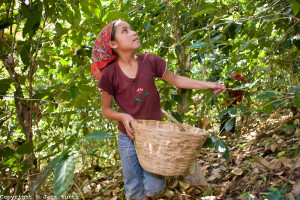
(138,182)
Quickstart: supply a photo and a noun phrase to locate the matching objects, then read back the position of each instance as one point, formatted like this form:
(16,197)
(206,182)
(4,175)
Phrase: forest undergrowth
(264,164)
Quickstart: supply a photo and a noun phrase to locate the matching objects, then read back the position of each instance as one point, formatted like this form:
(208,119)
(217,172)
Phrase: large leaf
(209,142)
(33,15)
(229,124)
(4,86)
(177,98)
(25,148)
(7,22)
(231,111)
(267,95)
(42,145)
(214,39)
(41,178)
(198,45)
(25,52)
(6,152)
(245,110)
(96,136)
(74,92)
(222,148)
(276,194)
(63,175)
(59,30)
(295,7)
(202,12)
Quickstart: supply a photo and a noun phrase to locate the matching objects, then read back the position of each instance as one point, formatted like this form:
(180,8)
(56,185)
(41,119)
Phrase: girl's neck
(127,60)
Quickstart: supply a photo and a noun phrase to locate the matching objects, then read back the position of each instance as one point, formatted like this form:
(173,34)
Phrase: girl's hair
(113,30)
(113,33)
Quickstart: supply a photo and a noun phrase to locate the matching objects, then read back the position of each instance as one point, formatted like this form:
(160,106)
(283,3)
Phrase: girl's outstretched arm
(111,114)
(188,83)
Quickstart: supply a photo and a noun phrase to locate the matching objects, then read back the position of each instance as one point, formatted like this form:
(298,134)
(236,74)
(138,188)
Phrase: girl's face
(126,39)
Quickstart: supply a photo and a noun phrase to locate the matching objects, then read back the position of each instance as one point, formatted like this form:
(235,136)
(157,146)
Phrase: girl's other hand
(126,120)
(219,88)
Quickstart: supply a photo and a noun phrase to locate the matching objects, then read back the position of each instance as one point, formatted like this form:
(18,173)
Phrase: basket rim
(139,124)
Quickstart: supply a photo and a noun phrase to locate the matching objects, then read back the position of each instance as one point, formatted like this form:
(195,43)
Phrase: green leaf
(177,116)
(290,127)
(267,95)
(67,51)
(222,148)
(275,194)
(41,178)
(41,146)
(245,110)
(77,16)
(216,38)
(231,111)
(33,16)
(273,189)
(97,136)
(177,98)
(208,192)
(25,167)
(63,175)
(244,86)
(7,22)
(74,92)
(7,189)
(197,45)
(269,108)
(244,45)
(6,152)
(229,124)
(25,148)
(202,12)
(295,7)
(112,15)
(10,161)
(59,30)
(209,142)
(85,7)
(25,54)
(168,105)
(4,86)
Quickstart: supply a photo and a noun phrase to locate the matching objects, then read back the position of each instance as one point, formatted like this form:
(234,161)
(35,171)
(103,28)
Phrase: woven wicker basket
(163,148)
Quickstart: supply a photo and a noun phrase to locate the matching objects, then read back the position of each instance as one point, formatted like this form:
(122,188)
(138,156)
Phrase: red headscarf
(102,53)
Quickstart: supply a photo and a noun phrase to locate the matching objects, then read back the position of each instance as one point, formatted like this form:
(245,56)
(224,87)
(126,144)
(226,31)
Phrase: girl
(128,78)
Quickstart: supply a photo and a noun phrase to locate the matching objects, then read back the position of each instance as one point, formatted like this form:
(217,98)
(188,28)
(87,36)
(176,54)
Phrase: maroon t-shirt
(238,94)
(136,96)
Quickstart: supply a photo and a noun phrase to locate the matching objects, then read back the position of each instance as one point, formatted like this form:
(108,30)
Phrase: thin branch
(40,100)
(62,87)
(82,197)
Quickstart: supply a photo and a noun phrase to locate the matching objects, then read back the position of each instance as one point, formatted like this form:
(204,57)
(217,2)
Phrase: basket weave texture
(162,148)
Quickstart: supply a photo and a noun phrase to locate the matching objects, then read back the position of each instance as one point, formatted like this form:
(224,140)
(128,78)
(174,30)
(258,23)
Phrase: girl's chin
(138,48)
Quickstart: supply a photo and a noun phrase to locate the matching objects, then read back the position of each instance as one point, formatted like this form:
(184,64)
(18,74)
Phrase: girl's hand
(126,120)
(219,88)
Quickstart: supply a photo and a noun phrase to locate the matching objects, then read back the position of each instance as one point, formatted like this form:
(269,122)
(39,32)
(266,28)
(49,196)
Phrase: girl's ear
(113,44)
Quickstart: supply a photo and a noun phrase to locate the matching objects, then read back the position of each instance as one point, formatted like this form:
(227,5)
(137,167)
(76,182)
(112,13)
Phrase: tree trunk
(183,60)
(24,114)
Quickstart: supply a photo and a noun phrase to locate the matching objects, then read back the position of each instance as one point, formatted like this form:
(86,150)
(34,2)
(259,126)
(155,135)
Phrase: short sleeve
(106,83)
(158,65)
